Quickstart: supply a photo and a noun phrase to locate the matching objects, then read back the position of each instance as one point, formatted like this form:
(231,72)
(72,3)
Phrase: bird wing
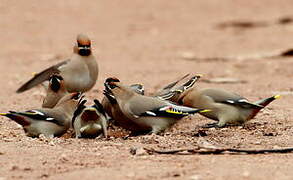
(41,77)
(138,88)
(156,108)
(167,89)
(171,85)
(78,110)
(243,103)
(38,115)
(222,96)
(99,107)
(167,95)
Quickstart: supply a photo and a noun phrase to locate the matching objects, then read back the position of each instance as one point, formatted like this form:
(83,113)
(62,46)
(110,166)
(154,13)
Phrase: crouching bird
(109,101)
(226,107)
(146,113)
(47,121)
(89,122)
(170,92)
(80,72)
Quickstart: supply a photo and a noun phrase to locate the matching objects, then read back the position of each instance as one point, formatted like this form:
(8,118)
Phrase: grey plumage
(226,107)
(50,122)
(56,90)
(80,72)
(146,113)
(109,101)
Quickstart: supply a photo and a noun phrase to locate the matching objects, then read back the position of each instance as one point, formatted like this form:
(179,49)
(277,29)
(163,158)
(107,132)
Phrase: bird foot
(211,125)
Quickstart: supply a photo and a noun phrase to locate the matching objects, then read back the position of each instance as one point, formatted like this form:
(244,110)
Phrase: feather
(36,115)
(243,103)
(78,110)
(41,77)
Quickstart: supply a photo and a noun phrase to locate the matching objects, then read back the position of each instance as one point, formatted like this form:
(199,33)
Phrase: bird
(113,110)
(50,122)
(226,107)
(55,91)
(80,72)
(169,92)
(146,113)
(109,101)
(89,121)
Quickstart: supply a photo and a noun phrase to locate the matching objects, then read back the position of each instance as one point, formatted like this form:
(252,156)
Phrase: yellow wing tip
(34,74)
(277,96)
(205,110)
(178,90)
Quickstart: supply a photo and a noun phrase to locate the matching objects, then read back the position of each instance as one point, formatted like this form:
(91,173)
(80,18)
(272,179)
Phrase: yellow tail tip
(277,96)
(199,75)
(90,109)
(205,110)
(3,114)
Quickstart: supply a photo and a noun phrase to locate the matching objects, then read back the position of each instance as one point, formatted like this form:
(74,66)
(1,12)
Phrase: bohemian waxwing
(226,107)
(147,113)
(80,72)
(89,122)
(50,122)
(109,100)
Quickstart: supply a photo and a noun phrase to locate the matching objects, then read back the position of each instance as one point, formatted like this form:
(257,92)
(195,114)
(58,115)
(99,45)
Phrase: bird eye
(76,96)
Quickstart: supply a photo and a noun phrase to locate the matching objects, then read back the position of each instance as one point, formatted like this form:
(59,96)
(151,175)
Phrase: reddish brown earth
(150,42)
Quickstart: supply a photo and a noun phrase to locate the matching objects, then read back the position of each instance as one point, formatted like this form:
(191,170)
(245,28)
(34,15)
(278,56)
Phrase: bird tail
(266,101)
(171,85)
(263,103)
(17,118)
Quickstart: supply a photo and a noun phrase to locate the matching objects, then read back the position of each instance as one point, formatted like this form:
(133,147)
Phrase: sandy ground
(150,42)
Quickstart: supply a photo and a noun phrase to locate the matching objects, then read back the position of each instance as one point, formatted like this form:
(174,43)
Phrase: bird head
(114,87)
(56,82)
(83,47)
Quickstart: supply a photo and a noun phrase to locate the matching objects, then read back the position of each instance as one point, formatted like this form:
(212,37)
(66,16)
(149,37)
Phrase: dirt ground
(151,42)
